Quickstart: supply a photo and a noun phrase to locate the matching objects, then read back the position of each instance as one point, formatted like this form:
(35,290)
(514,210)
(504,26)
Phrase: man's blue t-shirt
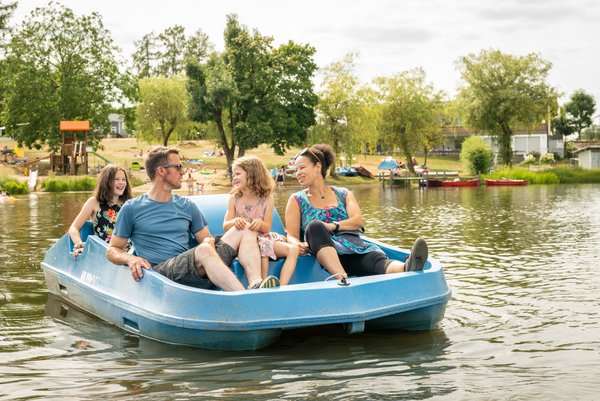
(159,230)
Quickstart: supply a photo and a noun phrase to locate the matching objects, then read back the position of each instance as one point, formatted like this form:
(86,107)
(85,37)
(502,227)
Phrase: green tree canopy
(165,54)
(347,113)
(61,67)
(163,107)
(501,92)
(410,109)
(254,93)
(580,109)
(6,11)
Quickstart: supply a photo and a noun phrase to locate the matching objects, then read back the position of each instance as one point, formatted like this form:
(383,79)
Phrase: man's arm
(117,255)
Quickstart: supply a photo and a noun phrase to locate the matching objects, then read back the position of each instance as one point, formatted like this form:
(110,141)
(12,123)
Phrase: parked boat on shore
(504,182)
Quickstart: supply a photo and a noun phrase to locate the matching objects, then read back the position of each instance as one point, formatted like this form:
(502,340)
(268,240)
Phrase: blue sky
(389,36)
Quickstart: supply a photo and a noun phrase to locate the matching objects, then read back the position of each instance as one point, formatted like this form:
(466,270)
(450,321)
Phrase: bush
(529,159)
(476,155)
(533,177)
(547,158)
(63,184)
(536,155)
(12,186)
(569,149)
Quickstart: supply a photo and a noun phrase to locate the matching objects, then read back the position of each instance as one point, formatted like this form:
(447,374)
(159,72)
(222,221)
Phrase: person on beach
(280,178)
(190,184)
(111,191)
(251,206)
(159,225)
(327,221)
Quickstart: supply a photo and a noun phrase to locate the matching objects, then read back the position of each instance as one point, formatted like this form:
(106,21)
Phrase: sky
(389,36)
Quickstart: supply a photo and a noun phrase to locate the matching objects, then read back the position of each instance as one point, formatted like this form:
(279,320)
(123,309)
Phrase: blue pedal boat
(163,310)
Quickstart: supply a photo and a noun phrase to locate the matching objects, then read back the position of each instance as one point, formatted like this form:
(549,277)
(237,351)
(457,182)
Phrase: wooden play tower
(73,158)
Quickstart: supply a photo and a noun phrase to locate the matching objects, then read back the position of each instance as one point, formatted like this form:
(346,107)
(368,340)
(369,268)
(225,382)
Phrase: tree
(580,110)
(592,133)
(61,67)
(145,55)
(561,124)
(163,107)
(502,92)
(252,93)
(166,53)
(410,108)
(347,113)
(6,11)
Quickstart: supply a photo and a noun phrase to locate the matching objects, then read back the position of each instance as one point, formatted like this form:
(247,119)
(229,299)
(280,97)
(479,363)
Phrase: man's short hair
(157,157)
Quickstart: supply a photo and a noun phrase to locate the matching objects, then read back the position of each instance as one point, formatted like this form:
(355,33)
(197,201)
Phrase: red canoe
(503,182)
(467,183)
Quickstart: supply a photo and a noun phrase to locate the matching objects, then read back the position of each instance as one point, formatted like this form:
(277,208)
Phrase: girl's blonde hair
(258,177)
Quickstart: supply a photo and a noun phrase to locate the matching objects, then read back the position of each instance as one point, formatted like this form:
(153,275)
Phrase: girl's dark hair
(103,192)
(320,153)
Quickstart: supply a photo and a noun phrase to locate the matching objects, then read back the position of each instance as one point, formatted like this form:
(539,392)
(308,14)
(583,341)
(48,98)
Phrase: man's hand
(135,266)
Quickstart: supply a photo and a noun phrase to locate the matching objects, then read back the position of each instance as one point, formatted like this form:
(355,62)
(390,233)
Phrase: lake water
(523,321)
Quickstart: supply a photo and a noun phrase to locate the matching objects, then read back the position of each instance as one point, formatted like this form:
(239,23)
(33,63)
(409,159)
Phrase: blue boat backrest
(214,207)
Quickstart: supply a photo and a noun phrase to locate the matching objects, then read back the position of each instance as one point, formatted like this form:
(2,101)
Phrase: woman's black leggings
(355,264)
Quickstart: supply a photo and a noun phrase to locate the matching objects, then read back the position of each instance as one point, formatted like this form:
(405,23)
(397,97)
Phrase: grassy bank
(12,186)
(556,175)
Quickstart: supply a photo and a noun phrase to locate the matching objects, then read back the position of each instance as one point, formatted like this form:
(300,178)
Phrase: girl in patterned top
(327,221)
(251,206)
(112,190)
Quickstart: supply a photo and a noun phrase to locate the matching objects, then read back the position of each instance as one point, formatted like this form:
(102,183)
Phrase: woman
(112,190)
(329,220)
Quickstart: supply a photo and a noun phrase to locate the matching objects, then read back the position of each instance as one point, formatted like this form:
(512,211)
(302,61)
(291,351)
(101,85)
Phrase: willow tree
(501,92)
(163,107)
(347,112)
(410,109)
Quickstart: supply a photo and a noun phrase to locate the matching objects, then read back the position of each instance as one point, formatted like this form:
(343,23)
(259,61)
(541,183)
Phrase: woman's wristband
(79,245)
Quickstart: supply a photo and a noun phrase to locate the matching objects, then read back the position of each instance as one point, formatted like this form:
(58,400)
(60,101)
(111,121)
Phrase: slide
(100,156)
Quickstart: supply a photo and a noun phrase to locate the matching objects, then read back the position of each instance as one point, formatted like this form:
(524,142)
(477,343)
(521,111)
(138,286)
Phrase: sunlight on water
(522,323)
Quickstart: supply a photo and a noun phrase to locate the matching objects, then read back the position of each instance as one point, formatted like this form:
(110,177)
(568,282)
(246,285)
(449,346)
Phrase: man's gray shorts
(181,267)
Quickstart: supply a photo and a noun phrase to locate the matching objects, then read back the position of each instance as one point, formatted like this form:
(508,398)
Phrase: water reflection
(522,263)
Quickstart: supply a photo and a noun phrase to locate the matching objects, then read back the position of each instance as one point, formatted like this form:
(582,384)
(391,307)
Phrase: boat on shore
(160,309)
(504,182)
(465,183)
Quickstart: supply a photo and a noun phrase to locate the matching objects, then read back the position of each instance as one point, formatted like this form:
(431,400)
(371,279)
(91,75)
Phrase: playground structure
(73,157)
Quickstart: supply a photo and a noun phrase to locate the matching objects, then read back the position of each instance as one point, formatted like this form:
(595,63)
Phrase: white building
(589,156)
(117,126)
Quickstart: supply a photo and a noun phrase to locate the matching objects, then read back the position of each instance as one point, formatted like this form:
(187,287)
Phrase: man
(159,225)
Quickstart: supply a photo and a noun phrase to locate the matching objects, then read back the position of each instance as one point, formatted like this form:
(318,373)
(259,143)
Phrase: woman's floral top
(104,222)
(345,242)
